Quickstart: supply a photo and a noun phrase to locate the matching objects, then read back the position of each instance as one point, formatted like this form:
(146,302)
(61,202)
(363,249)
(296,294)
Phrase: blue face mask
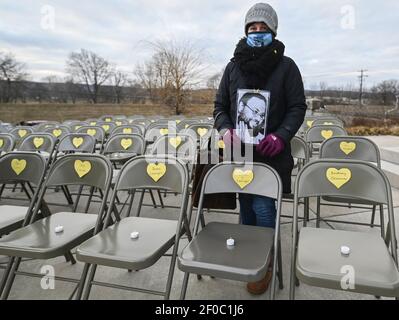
(259,39)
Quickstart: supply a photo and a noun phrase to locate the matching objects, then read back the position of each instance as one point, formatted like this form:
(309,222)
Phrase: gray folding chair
(43,143)
(354,148)
(121,147)
(155,236)
(201,130)
(328,122)
(20,132)
(58,131)
(25,168)
(7,143)
(365,262)
(95,131)
(128,129)
(40,239)
(108,127)
(248,260)
(318,134)
(76,143)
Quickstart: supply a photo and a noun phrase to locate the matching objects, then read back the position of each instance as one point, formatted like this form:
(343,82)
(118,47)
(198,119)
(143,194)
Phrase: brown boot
(260,286)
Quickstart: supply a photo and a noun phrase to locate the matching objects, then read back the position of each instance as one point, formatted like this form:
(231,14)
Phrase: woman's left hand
(270,146)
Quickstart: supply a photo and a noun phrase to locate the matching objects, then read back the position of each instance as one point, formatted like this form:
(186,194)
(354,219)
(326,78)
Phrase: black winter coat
(286,113)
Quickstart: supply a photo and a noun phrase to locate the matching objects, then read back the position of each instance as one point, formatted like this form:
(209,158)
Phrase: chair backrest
(45,125)
(76,125)
(140,121)
(328,122)
(107,118)
(7,142)
(120,122)
(107,126)
(92,121)
(20,132)
(247,178)
(355,148)
(182,146)
(95,131)
(125,143)
(299,149)
(155,131)
(58,131)
(201,130)
(128,129)
(77,142)
(39,142)
(81,169)
(22,167)
(151,172)
(317,134)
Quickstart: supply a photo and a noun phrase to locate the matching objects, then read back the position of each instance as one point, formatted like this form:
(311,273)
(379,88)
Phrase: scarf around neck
(257,63)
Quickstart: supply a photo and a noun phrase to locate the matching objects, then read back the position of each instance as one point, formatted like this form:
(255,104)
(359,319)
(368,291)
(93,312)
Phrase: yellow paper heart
(18,166)
(57,132)
(186,126)
(106,127)
(1,143)
(77,142)
(93,123)
(202,131)
(156,171)
(38,142)
(92,132)
(175,142)
(310,123)
(77,127)
(22,133)
(82,168)
(328,123)
(243,178)
(164,131)
(108,120)
(127,130)
(338,177)
(118,123)
(178,121)
(347,147)
(126,143)
(221,144)
(327,134)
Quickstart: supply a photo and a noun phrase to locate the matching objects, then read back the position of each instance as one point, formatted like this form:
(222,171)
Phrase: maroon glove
(270,146)
(230,138)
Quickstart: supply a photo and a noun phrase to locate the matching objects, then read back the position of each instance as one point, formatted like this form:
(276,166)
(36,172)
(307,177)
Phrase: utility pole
(362,77)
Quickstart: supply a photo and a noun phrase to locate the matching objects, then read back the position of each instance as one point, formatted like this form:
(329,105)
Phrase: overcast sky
(330,40)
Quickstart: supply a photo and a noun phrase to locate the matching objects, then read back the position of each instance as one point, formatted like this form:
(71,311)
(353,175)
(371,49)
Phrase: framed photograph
(252,112)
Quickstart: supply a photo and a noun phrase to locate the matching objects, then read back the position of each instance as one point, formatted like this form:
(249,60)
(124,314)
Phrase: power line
(362,79)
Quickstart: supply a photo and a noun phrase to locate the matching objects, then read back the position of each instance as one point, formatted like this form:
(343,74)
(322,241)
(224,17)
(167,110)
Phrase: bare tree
(214,81)
(174,69)
(323,88)
(90,69)
(387,91)
(119,80)
(11,73)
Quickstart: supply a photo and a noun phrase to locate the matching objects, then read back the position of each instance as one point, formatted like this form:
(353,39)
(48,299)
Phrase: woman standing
(259,66)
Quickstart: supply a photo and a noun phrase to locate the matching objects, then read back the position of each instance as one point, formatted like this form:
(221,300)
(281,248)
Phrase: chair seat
(11,218)
(319,261)
(113,246)
(39,240)
(247,261)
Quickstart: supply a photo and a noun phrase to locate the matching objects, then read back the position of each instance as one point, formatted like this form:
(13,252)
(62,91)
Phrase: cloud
(312,30)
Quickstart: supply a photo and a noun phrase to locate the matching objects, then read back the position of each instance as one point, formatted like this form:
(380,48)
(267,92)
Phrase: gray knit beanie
(262,12)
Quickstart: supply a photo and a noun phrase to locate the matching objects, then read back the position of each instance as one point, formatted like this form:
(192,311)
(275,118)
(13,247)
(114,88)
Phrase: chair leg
(373,217)
(67,194)
(82,282)
(86,292)
(89,199)
(10,280)
(160,199)
(129,210)
(153,199)
(382,220)
(70,258)
(6,274)
(305,212)
(280,267)
(2,190)
(171,271)
(75,207)
(184,286)
(140,203)
(318,213)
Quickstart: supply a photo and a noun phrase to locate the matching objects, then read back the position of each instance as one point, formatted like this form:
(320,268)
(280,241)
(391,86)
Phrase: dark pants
(257,210)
